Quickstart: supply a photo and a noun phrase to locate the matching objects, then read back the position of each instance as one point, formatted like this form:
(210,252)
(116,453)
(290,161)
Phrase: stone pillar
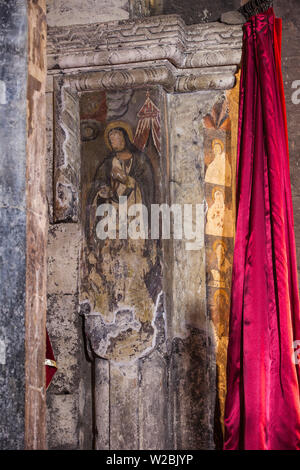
(121,295)
(149,330)
(192,369)
(36,230)
(13,63)
(23,219)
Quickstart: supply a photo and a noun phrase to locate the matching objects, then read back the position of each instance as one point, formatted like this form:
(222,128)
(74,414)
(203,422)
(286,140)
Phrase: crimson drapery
(262,404)
(50,362)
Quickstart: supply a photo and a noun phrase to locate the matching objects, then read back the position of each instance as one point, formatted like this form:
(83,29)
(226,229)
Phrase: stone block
(63,256)
(63,323)
(79,11)
(62,418)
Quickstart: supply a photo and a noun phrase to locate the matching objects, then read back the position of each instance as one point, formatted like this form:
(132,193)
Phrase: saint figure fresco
(221,268)
(219,170)
(120,276)
(126,171)
(219,217)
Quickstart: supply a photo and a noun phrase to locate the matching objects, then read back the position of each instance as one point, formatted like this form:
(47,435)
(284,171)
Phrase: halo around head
(117,124)
(219,293)
(218,141)
(220,242)
(216,189)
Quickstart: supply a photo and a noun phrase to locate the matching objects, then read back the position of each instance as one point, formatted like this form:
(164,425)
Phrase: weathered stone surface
(186,187)
(193,390)
(13,104)
(154,405)
(63,316)
(69,396)
(233,17)
(86,417)
(149,39)
(120,280)
(191,334)
(60,13)
(17,74)
(49,137)
(202,12)
(63,258)
(176,378)
(62,422)
(102,404)
(124,433)
(36,230)
(67,154)
(12,327)
(13,66)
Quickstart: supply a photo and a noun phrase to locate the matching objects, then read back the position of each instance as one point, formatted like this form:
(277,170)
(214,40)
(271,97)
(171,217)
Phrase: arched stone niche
(155,313)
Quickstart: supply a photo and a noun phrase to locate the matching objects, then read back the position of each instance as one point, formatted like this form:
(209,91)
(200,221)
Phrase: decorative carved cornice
(166,75)
(147,39)
(122,78)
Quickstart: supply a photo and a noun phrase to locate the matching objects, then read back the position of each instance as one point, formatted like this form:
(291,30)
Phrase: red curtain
(50,362)
(262,404)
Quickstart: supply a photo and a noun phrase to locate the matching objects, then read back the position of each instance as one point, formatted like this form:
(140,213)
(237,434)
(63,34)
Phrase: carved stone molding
(148,39)
(122,78)
(67,153)
(170,78)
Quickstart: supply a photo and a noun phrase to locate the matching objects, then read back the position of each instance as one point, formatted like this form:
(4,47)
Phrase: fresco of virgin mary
(114,279)
(126,171)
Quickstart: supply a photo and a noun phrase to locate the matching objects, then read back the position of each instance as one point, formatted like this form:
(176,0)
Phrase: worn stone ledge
(166,75)
(155,38)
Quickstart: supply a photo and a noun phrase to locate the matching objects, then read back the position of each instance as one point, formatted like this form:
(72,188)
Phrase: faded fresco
(220,160)
(120,277)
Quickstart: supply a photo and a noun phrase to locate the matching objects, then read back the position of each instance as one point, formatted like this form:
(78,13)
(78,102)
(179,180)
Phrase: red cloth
(50,362)
(262,405)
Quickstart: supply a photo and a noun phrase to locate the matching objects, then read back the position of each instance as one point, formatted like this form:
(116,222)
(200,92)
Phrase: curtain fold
(50,362)
(262,404)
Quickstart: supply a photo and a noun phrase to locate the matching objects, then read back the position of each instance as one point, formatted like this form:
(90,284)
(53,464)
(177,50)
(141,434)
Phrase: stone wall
(62,13)
(202,11)
(36,230)
(23,217)
(150,335)
(69,418)
(106,400)
(13,63)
